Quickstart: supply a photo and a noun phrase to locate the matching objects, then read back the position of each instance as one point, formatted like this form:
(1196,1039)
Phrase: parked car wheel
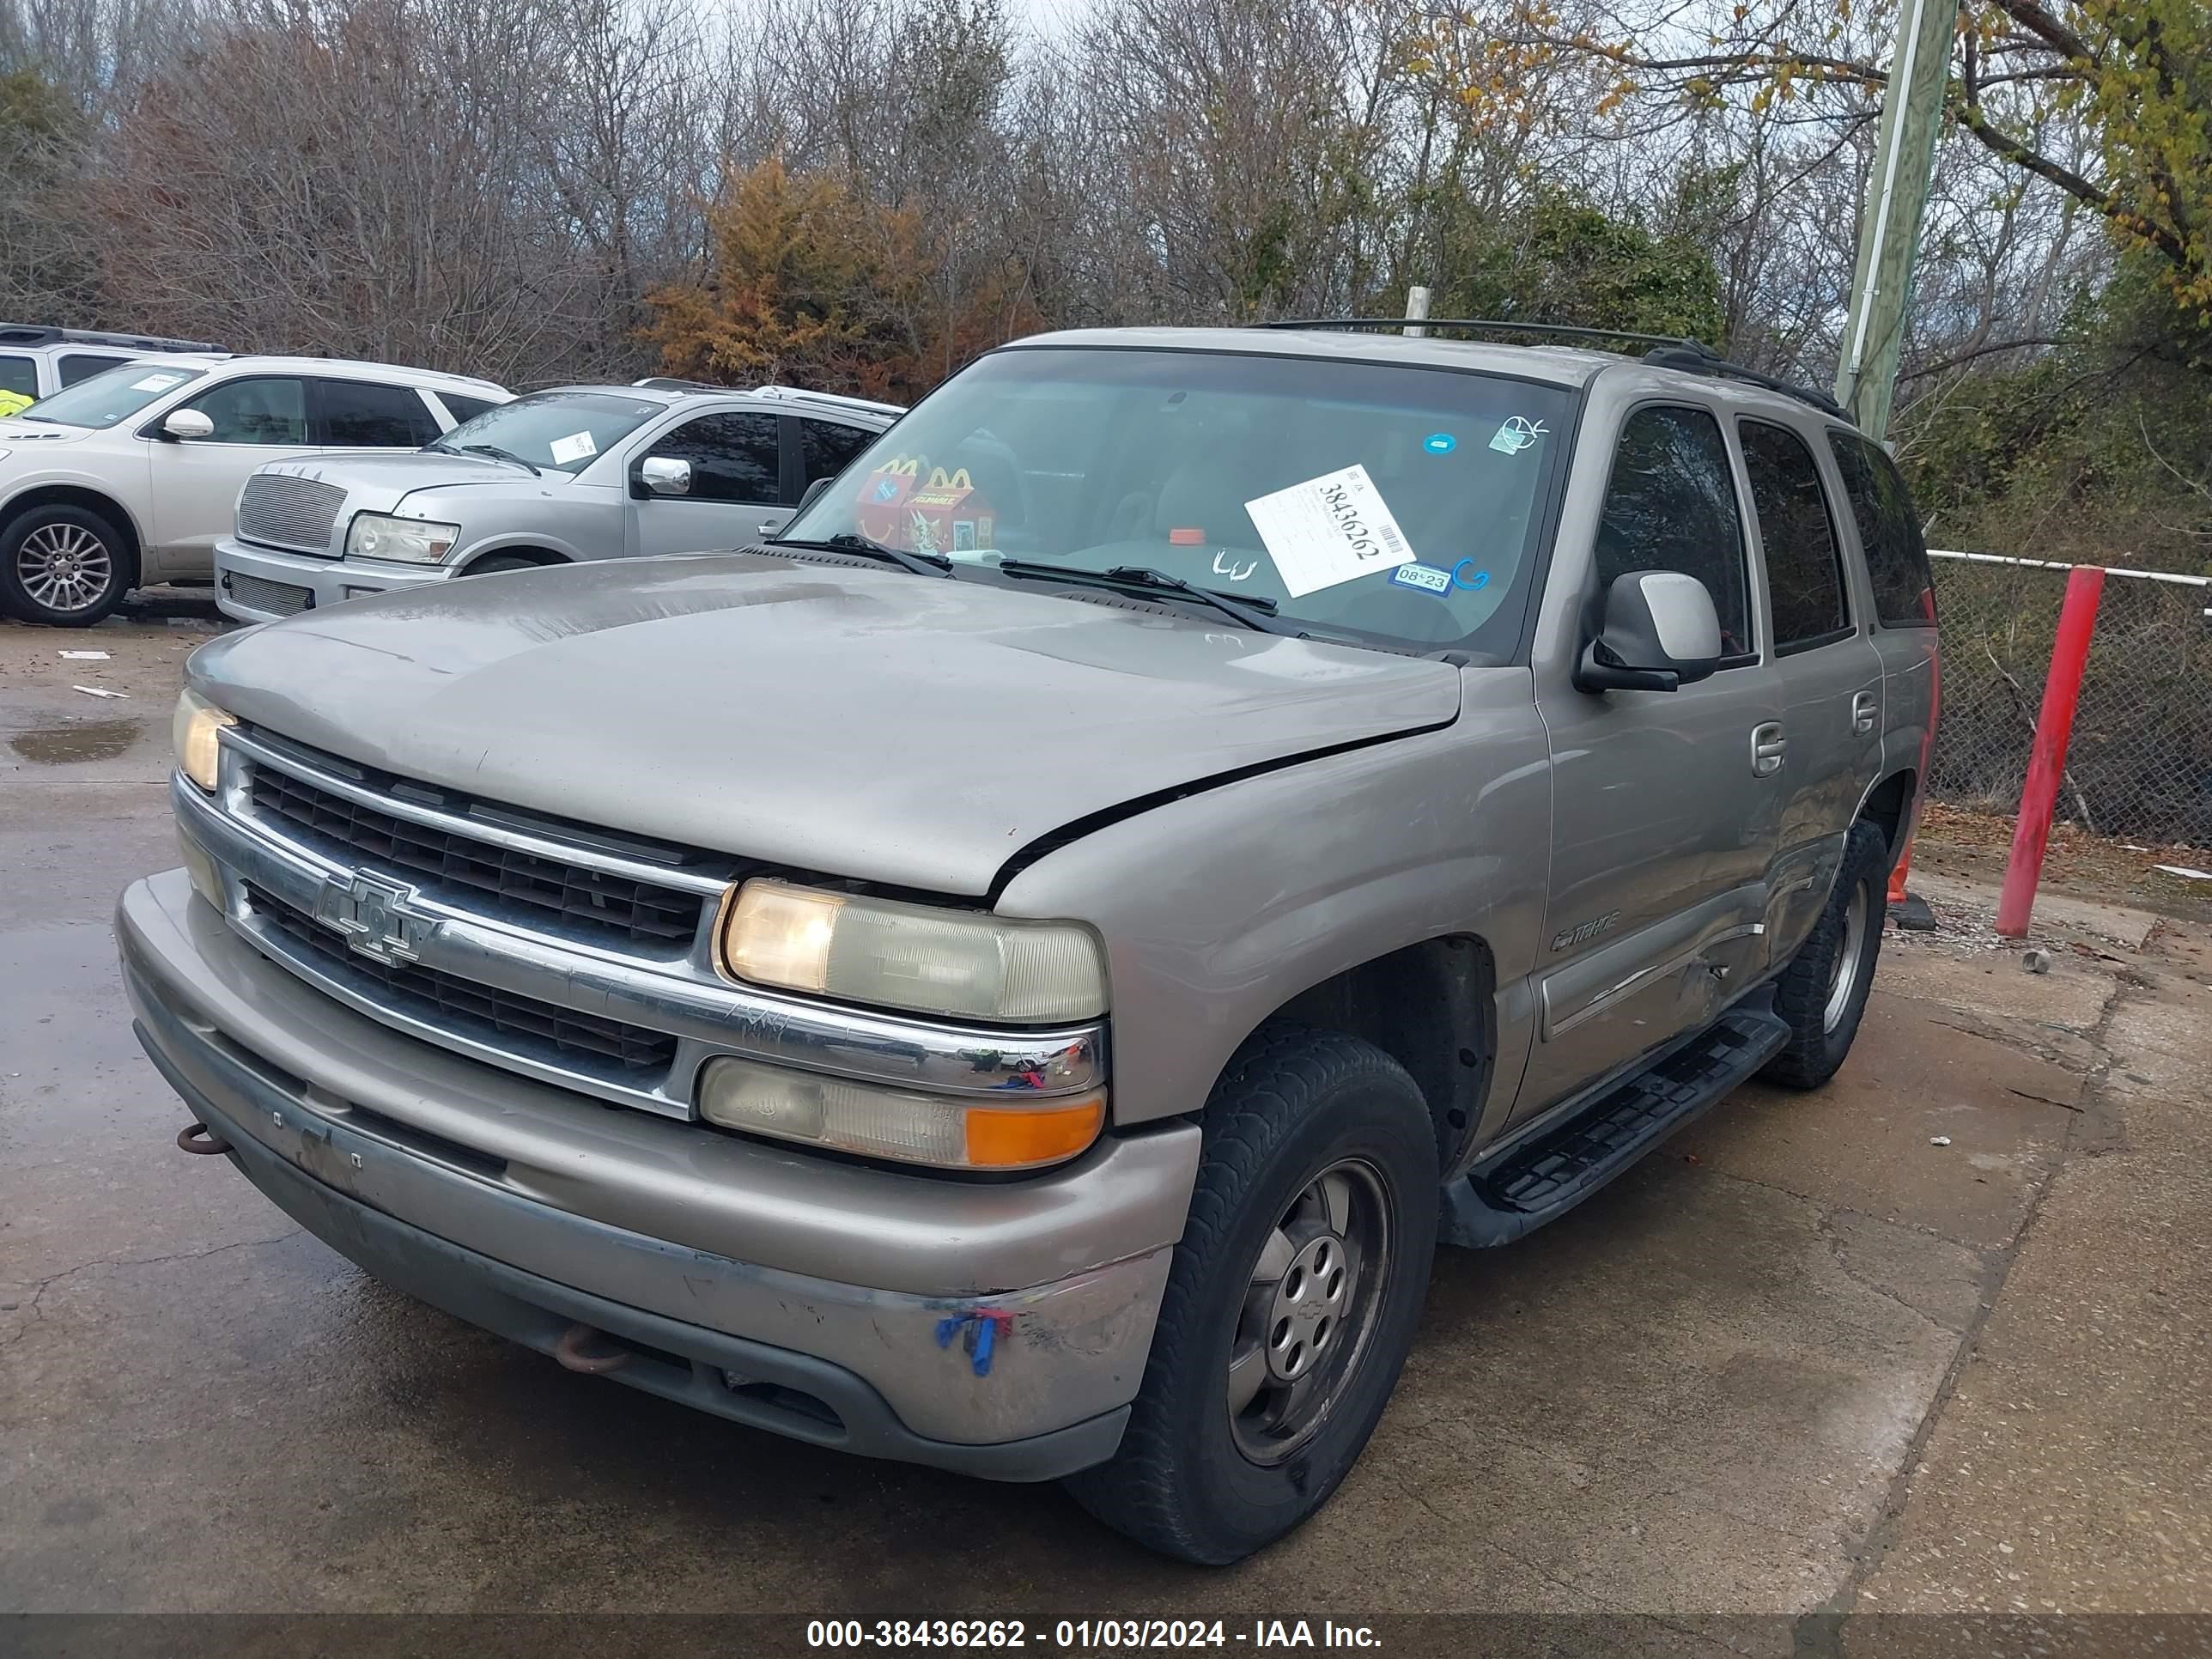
(1822,994)
(1290,1303)
(497,562)
(64,566)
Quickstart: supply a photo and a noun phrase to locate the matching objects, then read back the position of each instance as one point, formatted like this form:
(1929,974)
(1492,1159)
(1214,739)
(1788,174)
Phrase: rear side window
(1804,571)
(465,409)
(364,414)
(1671,505)
(827,446)
(76,366)
(1889,530)
(19,374)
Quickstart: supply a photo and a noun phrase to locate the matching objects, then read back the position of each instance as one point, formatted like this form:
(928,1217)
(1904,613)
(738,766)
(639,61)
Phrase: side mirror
(1658,632)
(663,477)
(187,423)
(813,489)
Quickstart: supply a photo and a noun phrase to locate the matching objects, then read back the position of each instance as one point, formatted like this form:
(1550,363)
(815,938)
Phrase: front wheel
(1290,1303)
(1822,994)
(63,566)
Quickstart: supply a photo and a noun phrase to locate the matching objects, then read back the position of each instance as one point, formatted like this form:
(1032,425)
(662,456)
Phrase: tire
(498,562)
(66,567)
(1310,1137)
(1822,994)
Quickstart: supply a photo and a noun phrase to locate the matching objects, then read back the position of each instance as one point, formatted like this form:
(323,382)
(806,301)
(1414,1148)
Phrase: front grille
(283,510)
(532,887)
(258,593)
(522,1025)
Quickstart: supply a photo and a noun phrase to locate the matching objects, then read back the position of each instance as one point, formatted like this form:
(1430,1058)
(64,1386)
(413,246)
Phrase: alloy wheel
(65,567)
(1844,973)
(1310,1308)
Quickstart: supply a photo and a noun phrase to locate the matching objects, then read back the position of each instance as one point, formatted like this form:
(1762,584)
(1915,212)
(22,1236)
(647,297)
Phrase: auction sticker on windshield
(1332,529)
(573,447)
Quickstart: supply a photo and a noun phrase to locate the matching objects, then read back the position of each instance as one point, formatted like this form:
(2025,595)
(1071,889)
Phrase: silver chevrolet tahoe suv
(579,472)
(1019,973)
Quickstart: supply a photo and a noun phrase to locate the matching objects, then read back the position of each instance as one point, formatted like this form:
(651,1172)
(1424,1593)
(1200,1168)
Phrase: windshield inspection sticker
(573,447)
(1440,443)
(1332,529)
(157,383)
(1425,576)
(1516,435)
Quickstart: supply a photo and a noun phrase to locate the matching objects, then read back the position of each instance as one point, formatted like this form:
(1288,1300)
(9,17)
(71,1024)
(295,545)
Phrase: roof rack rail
(1703,359)
(835,399)
(1676,351)
(37,334)
(1492,325)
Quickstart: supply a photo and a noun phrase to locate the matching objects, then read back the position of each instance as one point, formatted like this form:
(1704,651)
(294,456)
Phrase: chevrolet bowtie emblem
(376,916)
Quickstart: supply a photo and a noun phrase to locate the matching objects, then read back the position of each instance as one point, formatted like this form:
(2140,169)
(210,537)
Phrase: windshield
(568,430)
(1396,502)
(110,396)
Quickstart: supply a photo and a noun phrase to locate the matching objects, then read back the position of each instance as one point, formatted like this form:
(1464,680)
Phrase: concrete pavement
(1802,1361)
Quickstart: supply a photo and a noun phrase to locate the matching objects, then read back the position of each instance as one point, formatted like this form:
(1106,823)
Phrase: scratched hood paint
(853,721)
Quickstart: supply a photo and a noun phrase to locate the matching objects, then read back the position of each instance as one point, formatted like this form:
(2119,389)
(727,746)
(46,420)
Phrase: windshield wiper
(497,454)
(920,564)
(1254,613)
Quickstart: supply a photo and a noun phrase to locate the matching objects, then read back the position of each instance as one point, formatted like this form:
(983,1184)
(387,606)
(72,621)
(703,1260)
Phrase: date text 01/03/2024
(1086,1634)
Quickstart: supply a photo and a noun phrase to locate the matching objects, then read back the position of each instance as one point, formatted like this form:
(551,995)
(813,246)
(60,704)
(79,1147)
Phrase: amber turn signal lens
(1016,1138)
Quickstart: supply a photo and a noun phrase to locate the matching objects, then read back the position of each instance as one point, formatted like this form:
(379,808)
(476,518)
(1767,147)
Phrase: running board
(1534,1182)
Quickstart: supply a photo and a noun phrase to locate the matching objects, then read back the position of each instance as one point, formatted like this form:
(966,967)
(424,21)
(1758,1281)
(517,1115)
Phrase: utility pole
(1897,196)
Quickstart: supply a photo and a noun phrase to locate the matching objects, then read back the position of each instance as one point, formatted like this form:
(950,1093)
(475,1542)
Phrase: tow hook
(571,1351)
(198,1137)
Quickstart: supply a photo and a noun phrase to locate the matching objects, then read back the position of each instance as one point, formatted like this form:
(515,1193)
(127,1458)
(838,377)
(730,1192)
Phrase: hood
(850,721)
(390,478)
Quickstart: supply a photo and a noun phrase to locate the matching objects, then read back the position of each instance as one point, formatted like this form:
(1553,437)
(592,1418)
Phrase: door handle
(1768,746)
(1863,712)
(768,527)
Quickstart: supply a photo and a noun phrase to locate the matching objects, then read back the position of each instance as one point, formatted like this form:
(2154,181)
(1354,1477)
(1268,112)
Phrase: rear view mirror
(664,476)
(187,423)
(1659,631)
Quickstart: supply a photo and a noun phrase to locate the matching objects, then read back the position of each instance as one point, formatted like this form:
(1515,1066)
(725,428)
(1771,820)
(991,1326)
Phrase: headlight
(960,1133)
(193,731)
(419,541)
(912,956)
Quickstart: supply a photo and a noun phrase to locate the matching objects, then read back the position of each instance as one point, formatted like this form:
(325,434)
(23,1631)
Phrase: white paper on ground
(94,691)
(573,447)
(2184,870)
(1335,528)
(84,656)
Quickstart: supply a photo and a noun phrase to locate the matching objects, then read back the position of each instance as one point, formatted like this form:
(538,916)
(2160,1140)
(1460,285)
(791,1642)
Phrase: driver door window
(1671,505)
(261,410)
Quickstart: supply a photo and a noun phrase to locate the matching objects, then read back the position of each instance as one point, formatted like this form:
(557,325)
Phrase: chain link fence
(2139,765)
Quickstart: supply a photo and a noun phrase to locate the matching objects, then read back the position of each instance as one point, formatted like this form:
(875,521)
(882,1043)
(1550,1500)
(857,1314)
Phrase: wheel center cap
(1308,1306)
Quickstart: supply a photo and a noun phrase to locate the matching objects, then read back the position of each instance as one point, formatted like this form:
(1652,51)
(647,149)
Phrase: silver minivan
(579,472)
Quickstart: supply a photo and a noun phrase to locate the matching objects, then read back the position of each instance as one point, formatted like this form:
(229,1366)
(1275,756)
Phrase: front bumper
(258,584)
(830,1302)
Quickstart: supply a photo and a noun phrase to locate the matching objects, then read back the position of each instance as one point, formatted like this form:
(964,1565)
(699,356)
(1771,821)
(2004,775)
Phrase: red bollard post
(2046,765)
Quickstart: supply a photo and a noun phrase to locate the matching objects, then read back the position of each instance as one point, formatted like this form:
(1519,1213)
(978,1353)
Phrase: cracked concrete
(1801,1364)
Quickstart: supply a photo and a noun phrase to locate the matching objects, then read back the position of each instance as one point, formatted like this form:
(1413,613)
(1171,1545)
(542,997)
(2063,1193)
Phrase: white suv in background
(131,477)
(37,361)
